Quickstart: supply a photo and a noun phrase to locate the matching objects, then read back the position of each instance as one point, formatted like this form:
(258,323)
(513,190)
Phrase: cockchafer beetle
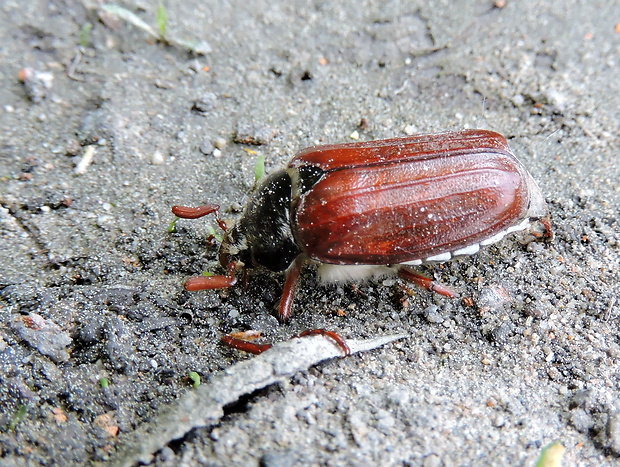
(369,209)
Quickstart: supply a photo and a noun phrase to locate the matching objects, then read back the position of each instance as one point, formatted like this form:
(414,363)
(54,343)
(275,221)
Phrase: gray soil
(91,278)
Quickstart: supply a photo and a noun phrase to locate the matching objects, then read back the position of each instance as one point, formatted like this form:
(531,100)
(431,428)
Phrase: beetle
(368,209)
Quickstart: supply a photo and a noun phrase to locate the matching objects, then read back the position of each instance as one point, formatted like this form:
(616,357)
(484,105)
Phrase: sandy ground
(98,337)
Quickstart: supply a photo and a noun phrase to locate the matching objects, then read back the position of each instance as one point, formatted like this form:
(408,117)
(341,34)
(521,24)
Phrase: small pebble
(410,130)
(207,147)
(157,158)
(251,133)
(44,335)
(85,161)
(205,103)
(220,143)
(432,315)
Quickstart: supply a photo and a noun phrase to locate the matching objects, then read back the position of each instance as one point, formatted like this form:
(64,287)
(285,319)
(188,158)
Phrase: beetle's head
(262,236)
(234,248)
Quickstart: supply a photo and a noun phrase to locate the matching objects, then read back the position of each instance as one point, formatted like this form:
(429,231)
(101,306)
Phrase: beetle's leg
(212,282)
(246,346)
(425,282)
(244,278)
(185,212)
(542,229)
(288,292)
(337,338)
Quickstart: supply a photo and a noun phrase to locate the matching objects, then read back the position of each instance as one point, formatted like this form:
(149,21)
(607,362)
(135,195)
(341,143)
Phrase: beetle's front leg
(185,212)
(290,285)
(212,282)
(425,282)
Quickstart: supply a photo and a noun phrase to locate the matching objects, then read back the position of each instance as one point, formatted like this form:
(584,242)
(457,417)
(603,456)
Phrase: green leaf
(194,378)
(104,382)
(551,455)
(259,168)
(215,235)
(172,225)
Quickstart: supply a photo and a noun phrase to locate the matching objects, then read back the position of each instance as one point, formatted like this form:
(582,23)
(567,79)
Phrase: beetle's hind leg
(337,338)
(425,282)
(234,342)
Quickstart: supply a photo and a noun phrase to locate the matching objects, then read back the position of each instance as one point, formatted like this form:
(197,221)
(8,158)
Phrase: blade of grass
(162,19)
(85,34)
(130,17)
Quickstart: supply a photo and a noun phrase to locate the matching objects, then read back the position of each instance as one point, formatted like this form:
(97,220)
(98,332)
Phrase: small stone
(157,158)
(44,335)
(398,397)
(73,147)
(493,298)
(205,103)
(410,130)
(613,432)
(207,147)
(277,459)
(432,314)
(502,332)
(499,421)
(103,221)
(167,455)
(220,143)
(432,460)
(579,399)
(251,133)
(36,83)
(581,420)
(233,313)
(118,344)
